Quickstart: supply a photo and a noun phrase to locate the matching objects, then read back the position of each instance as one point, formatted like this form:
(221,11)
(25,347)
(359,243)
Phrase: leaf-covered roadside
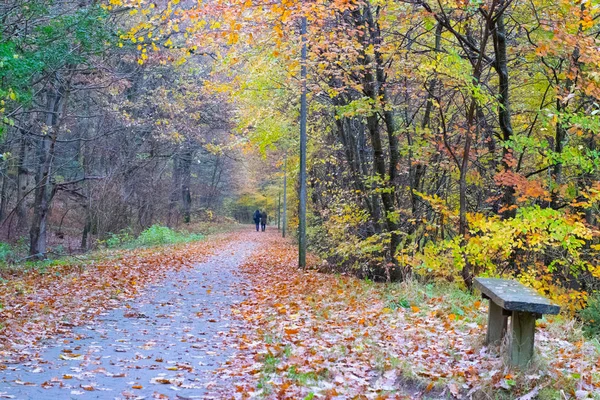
(335,336)
(39,303)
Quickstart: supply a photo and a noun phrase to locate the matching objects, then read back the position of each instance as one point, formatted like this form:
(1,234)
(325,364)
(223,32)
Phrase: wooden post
(303,116)
(522,339)
(284,218)
(496,328)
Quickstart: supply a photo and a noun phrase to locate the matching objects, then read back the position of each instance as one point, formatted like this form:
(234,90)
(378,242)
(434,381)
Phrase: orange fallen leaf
(291,331)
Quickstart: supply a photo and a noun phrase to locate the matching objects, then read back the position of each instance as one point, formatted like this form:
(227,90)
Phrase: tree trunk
(3,197)
(22,175)
(186,176)
(175,191)
(44,190)
(504,114)
(372,89)
(214,182)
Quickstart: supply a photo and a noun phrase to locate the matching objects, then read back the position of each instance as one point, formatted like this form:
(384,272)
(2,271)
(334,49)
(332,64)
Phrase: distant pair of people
(260,219)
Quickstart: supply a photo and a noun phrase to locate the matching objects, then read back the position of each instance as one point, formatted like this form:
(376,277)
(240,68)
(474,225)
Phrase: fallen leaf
(71,356)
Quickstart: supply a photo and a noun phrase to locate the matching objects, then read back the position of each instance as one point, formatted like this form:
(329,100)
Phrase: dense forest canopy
(447,139)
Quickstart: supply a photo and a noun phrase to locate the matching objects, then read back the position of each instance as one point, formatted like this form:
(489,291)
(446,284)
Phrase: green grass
(156,235)
(6,251)
(303,378)
(159,235)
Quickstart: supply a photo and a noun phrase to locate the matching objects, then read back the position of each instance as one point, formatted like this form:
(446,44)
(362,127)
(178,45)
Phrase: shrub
(591,316)
(6,252)
(541,247)
(118,239)
(157,235)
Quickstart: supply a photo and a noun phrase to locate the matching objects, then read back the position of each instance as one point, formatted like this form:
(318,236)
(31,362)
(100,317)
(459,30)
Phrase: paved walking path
(167,343)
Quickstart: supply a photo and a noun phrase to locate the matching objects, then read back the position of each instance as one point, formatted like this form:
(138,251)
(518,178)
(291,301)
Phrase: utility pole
(284,224)
(302,200)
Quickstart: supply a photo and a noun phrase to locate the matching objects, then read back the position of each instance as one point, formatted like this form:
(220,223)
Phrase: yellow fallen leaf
(71,356)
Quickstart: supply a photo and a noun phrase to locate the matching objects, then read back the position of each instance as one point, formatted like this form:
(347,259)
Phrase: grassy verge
(156,235)
(14,261)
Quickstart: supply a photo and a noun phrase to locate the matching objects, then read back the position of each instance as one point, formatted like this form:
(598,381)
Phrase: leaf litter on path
(156,342)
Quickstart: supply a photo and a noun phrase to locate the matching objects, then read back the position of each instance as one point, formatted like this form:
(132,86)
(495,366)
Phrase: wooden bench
(523,305)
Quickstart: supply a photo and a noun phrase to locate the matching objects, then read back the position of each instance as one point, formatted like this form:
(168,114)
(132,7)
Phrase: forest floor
(233,317)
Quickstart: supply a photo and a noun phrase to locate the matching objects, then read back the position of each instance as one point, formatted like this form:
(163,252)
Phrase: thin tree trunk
(284,222)
(3,197)
(22,175)
(186,197)
(504,114)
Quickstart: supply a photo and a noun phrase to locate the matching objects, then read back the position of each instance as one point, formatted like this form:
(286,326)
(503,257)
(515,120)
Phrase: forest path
(166,343)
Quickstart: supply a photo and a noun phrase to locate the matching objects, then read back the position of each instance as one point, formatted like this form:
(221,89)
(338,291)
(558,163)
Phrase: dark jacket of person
(263,218)
(257,216)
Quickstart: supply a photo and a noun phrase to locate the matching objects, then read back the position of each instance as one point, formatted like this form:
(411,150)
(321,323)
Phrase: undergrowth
(13,259)
(590,316)
(155,235)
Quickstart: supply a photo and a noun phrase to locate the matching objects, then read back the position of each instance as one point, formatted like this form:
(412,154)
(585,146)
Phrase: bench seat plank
(514,296)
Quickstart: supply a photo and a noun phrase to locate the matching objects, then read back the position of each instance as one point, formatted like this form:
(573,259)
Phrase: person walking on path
(263,220)
(257,215)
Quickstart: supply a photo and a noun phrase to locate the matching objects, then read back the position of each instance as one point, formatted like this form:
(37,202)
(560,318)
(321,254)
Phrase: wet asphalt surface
(167,343)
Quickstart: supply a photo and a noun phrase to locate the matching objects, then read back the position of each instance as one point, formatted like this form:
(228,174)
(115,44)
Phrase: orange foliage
(525,189)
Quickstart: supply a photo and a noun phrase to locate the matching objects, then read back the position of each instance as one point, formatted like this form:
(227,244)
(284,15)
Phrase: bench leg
(522,339)
(496,324)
